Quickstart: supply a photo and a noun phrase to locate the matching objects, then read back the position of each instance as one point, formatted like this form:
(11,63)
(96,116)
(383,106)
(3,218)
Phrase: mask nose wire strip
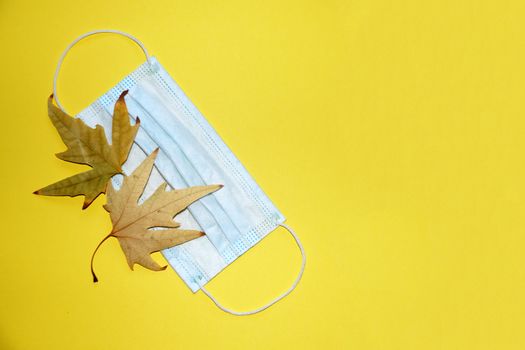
(83,36)
(264,307)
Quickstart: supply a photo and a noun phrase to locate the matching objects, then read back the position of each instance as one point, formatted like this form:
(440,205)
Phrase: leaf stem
(95,279)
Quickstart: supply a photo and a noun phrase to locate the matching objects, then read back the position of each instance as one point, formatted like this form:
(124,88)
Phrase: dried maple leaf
(133,223)
(89,146)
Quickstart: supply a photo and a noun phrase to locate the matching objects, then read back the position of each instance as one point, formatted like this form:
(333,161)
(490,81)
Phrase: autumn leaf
(133,223)
(89,146)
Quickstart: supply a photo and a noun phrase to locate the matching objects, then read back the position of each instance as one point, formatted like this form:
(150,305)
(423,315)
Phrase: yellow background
(390,133)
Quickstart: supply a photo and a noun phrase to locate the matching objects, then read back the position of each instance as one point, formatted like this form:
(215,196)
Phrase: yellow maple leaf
(133,223)
(89,146)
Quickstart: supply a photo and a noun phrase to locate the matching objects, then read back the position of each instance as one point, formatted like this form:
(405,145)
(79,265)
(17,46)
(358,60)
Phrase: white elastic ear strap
(148,57)
(264,307)
(83,36)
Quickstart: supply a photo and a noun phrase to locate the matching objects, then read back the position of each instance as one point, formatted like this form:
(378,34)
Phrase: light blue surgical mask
(191,154)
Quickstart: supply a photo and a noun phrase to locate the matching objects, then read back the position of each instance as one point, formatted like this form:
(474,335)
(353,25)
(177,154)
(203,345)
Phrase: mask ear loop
(264,307)
(83,36)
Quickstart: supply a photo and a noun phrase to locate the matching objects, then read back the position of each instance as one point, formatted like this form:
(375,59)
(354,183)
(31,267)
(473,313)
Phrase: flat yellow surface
(390,134)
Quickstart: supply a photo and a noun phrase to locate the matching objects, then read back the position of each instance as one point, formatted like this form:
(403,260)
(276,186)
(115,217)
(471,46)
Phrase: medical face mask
(191,154)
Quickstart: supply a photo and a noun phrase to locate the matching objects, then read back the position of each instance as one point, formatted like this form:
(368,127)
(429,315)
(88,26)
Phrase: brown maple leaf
(133,223)
(89,146)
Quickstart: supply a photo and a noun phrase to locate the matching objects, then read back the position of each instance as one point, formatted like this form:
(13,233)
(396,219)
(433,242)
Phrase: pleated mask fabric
(191,153)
